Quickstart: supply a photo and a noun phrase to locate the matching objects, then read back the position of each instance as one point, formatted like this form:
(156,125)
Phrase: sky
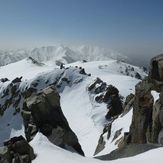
(132,27)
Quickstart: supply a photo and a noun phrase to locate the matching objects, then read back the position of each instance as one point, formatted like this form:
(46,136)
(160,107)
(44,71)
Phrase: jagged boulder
(17,150)
(113,100)
(3,80)
(147,122)
(156,68)
(109,95)
(42,112)
(142,113)
(17,80)
(138,76)
(128,103)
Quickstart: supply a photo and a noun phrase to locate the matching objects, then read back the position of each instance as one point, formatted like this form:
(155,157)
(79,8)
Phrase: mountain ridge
(60,53)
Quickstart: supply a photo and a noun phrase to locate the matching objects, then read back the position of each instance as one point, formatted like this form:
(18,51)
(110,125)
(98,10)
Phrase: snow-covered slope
(47,152)
(85,116)
(25,68)
(57,54)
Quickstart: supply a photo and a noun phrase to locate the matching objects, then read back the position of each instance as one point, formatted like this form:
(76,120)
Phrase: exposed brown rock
(42,112)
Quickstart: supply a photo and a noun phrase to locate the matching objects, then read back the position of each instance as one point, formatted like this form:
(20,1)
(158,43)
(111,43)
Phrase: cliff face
(146,129)
(42,112)
(147,122)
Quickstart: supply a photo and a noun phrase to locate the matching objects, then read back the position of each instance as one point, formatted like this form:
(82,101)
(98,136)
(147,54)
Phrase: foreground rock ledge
(16,150)
(42,112)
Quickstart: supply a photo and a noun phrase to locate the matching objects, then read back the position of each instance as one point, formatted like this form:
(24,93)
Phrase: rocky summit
(146,130)
(103,110)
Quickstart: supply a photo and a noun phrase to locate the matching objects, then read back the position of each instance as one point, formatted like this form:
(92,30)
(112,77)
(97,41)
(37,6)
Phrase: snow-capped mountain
(11,56)
(60,54)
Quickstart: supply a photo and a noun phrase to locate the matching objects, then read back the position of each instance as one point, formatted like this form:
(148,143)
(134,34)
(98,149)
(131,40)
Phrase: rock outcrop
(146,130)
(16,150)
(142,113)
(37,102)
(109,95)
(156,68)
(147,121)
(42,112)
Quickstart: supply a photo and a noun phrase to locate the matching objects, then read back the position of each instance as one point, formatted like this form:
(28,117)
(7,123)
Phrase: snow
(47,152)
(10,125)
(85,117)
(120,123)
(22,68)
(155,95)
(61,53)
(110,73)
(79,112)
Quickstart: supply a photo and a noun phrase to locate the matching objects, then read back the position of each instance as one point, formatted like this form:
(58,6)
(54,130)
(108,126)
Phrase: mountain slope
(84,114)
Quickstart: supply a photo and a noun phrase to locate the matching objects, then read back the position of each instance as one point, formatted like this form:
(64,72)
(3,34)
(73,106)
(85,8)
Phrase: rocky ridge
(146,130)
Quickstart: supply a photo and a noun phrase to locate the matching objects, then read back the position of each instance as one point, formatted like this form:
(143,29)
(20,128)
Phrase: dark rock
(47,116)
(18,150)
(138,76)
(142,113)
(92,86)
(117,133)
(144,69)
(28,92)
(101,142)
(111,91)
(99,98)
(34,61)
(61,66)
(35,84)
(161,117)
(17,80)
(5,93)
(84,61)
(128,103)
(3,80)
(82,71)
(156,125)
(160,137)
(66,80)
(109,95)
(113,101)
(100,88)
(156,66)
(115,108)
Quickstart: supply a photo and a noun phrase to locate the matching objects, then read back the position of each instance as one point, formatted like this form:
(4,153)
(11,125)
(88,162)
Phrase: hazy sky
(132,27)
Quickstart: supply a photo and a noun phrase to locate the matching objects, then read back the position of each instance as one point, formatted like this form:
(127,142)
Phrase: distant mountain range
(59,54)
